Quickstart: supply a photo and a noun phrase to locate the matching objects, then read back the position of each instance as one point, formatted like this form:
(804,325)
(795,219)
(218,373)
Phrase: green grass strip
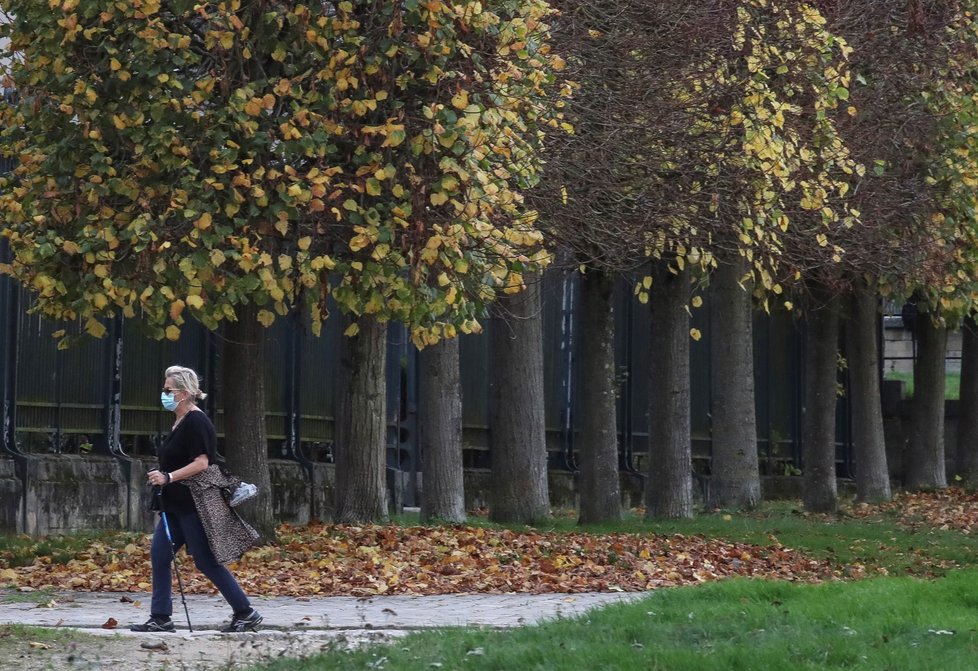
(883,623)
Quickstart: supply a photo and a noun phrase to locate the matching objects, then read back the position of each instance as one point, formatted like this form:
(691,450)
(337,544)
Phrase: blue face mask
(168,401)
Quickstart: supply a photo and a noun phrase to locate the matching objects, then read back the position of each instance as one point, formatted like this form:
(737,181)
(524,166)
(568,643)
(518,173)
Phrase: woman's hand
(157,478)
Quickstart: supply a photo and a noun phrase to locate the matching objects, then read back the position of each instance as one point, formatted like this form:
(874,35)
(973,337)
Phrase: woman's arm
(196,466)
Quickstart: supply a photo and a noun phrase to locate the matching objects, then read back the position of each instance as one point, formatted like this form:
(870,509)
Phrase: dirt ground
(73,649)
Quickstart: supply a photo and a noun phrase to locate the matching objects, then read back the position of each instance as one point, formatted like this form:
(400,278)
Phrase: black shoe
(247,622)
(155,624)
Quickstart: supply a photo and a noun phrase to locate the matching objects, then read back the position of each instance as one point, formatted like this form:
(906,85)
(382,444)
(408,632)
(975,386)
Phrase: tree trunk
(968,406)
(245,438)
(669,491)
(517,422)
(821,387)
(361,460)
(600,488)
(440,432)
(869,445)
(735,480)
(925,453)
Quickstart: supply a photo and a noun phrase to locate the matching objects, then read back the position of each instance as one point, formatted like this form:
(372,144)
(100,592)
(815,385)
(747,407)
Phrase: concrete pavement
(89,611)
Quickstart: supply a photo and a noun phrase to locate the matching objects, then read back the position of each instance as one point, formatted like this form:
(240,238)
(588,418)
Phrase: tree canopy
(184,158)
(701,133)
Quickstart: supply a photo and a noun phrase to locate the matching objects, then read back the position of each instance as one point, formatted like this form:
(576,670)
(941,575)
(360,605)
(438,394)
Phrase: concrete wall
(65,493)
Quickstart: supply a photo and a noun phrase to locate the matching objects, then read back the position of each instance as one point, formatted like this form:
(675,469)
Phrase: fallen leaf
(126,599)
(111,623)
(154,645)
(39,646)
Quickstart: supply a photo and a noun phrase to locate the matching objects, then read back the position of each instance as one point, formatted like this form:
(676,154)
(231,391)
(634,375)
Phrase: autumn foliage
(181,158)
(322,560)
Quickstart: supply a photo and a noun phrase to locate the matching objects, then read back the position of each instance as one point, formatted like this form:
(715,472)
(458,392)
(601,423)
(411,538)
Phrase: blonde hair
(185,379)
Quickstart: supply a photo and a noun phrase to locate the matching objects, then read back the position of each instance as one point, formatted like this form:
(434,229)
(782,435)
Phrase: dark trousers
(186,529)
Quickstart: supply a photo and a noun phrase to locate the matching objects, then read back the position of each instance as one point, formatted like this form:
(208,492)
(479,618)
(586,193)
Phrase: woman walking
(187,452)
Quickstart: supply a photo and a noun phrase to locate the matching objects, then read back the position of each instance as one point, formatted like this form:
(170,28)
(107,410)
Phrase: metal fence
(103,395)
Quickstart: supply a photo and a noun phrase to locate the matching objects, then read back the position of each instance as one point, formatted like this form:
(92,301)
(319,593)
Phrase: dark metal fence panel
(60,404)
(278,341)
(555,363)
(778,371)
(60,398)
(475,373)
(143,362)
(319,362)
(631,362)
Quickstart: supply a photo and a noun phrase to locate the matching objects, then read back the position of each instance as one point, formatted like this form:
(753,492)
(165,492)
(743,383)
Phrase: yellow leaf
(176,308)
(95,328)
(266,318)
(461,99)
(695,334)
(195,301)
(439,198)
(204,221)
(352,330)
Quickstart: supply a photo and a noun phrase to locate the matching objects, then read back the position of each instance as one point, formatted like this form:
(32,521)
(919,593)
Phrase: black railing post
(9,321)
(292,363)
(626,375)
(568,310)
(293,408)
(10,315)
(112,418)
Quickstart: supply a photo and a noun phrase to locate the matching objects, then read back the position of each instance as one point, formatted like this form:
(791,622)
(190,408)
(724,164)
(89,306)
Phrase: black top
(193,437)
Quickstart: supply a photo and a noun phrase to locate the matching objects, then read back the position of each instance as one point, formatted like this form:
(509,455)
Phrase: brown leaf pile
(951,508)
(364,561)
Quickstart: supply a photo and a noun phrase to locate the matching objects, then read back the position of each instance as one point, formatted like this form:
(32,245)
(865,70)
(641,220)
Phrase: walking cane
(173,553)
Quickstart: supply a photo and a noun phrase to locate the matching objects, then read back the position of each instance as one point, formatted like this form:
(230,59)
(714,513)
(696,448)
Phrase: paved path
(293,627)
(207,613)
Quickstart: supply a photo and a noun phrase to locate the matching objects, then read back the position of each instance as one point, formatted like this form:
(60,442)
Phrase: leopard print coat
(228,535)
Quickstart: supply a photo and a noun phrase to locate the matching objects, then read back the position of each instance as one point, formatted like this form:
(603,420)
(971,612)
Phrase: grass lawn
(882,623)
(952,384)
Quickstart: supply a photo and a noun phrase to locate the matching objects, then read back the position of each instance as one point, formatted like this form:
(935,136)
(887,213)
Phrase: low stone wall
(66,493)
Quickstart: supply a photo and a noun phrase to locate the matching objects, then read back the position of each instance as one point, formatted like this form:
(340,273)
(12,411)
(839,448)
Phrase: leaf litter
(331,560)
